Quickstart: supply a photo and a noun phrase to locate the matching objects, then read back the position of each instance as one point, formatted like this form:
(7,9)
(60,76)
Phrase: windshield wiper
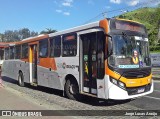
(124,34)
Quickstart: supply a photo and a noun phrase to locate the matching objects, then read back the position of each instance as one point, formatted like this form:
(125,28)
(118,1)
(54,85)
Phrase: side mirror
(110,46)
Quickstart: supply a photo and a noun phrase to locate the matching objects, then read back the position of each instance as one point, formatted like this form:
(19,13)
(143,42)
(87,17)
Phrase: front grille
(137,74)
(135,90)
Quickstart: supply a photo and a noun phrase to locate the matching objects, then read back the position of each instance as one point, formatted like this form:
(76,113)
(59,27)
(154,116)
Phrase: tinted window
(17,52)
(43,48)
(1,54)
(11,52)
(70,45)
(25,51)
(55,47)
(6,53)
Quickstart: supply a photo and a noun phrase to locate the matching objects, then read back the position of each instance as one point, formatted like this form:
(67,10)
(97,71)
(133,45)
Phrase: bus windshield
(129,52)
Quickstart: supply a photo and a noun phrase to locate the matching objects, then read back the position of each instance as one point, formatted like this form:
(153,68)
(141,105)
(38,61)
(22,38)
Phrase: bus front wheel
(21,79)
(72,90)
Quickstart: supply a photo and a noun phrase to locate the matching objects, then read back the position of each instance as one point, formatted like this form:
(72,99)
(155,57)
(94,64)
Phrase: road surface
(149,102)
(11,99)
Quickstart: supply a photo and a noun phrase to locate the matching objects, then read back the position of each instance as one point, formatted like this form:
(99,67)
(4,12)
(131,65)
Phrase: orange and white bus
(107,59)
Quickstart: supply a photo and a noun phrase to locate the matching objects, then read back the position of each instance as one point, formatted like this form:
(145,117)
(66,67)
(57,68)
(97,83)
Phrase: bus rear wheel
(72,90)
(21,79)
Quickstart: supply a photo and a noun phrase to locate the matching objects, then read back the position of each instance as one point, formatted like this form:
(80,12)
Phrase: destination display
(70,37)
(127,25)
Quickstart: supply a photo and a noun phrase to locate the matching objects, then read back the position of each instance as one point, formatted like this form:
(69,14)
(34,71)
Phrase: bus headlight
(114,81)
(121,85)
(118,83)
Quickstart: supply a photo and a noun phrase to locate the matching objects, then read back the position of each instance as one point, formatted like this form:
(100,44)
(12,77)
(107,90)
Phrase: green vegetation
(17,35)
(48,31)
(150,17)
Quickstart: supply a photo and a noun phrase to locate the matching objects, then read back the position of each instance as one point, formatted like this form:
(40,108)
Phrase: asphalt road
(156,72)
(52,98)
(149,102)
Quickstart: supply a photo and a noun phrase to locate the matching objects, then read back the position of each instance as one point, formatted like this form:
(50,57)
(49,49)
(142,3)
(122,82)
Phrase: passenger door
(92,58)
(33,63)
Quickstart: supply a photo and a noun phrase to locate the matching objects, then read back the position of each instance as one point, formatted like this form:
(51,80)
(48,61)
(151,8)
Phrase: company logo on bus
(64,66)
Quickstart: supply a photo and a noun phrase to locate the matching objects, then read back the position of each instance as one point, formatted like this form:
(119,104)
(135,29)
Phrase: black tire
(72,90)
(21,79)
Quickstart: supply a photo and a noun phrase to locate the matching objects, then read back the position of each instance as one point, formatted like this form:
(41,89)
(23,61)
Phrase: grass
(149,17)
(155,51)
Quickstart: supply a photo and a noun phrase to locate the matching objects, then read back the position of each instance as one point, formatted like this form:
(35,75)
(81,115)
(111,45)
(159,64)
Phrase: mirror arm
(108,35)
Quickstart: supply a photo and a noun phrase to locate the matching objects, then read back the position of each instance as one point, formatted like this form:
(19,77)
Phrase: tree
(26,33)
(2,37)
(48,31)
(16,35)
(121,16)
(10,36)
(159,32)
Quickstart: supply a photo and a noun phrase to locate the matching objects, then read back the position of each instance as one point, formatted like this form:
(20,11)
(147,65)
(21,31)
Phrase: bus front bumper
(118,93)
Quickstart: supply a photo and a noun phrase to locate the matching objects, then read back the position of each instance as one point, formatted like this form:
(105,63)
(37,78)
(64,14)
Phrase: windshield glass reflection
(129,52)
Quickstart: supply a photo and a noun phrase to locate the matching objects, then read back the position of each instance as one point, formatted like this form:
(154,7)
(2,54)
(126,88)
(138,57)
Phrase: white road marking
(156,81)
(152,97)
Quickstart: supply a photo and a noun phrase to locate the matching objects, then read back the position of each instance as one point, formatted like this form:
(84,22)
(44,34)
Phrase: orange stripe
(25,60)
(33,43)
(44,62)
(32,40)
(48,63)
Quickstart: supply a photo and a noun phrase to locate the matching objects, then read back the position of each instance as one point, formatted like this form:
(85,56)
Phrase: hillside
(150,17)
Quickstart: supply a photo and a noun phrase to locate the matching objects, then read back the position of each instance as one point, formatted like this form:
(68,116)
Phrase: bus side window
(6,53)
(43,48)
(55,46)
(25,51)
(69,45)
(12,52)
(17,52)
(1,54)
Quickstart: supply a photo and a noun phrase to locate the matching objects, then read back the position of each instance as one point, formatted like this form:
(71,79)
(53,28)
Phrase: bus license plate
(140,90)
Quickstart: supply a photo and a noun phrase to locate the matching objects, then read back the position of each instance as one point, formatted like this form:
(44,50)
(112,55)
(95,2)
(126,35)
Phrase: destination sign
(70,37)
(127,25)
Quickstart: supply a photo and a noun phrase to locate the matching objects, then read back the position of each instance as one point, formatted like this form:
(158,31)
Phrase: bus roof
(75,29)
(4,45)
(33,39)
(128,20)
(30,39)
